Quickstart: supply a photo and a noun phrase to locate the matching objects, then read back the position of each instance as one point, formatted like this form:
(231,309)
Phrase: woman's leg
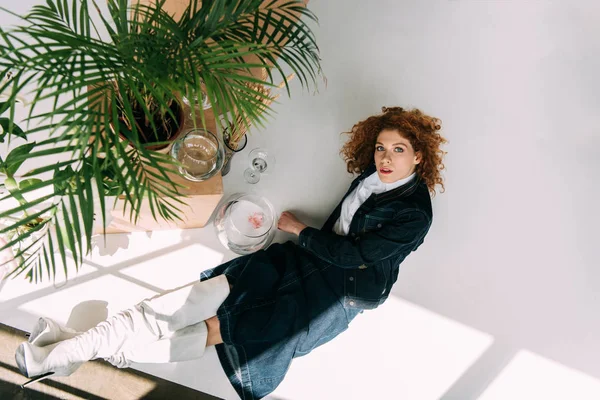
(214,331)
(176,317)
(136,332)
(185,344)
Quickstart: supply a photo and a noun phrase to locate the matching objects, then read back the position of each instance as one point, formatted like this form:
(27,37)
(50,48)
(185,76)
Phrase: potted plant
(114,80)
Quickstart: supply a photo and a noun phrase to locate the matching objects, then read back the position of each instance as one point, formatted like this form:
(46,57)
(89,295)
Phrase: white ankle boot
(146,333)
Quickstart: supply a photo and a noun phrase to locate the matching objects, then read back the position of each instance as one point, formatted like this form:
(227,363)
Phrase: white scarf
(371,184)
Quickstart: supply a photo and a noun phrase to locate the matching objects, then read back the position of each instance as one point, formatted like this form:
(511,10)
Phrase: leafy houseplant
(114,80)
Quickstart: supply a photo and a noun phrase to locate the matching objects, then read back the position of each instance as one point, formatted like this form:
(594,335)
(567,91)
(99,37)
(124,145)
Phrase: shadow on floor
(9,390)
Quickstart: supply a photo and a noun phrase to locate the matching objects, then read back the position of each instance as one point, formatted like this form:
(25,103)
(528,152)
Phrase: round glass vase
(245,223)
(199,153)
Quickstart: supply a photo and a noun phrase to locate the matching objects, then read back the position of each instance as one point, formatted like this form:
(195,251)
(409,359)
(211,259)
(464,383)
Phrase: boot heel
(37,379)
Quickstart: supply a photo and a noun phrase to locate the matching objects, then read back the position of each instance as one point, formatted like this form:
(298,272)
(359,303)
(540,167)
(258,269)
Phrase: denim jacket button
(351,278)
(351,303)
(379,225)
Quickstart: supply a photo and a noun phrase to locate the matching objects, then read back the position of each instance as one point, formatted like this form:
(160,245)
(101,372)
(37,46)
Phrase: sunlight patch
(531,376)
(400,351)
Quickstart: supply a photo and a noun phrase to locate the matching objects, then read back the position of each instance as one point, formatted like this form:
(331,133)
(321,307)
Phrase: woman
(264,309)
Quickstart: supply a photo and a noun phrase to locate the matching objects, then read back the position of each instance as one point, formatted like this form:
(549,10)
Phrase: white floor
(501,301)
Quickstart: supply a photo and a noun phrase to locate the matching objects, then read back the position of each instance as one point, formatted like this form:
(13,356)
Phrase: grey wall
(513,248)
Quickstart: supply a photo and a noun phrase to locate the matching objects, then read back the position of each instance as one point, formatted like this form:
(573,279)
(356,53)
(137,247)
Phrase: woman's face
(395,157)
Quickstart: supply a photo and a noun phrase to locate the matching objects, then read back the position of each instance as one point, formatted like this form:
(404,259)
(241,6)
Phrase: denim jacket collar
(375,199)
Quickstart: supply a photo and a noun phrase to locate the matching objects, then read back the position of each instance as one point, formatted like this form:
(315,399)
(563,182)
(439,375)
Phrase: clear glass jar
(200,154)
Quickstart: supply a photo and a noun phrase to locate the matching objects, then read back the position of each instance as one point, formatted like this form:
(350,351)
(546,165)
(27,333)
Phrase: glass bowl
(245,223)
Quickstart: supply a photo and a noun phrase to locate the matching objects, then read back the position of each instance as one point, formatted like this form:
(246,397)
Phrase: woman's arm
(399,236)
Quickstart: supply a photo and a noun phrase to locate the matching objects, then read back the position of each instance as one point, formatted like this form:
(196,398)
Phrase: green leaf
(61,239)
(29,182)
(52,255)
(75,215)
(13,188)
(33,187)
(47,168)
(9,127)
(68,232)
(16,157)
(63,178)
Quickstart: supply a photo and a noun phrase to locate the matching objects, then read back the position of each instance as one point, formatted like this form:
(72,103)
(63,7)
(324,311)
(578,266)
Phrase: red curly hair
(420,129)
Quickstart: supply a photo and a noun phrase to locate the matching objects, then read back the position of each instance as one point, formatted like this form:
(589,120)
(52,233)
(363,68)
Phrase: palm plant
(114,81)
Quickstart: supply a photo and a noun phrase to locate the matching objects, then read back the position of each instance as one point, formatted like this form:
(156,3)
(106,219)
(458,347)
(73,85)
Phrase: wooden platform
(201,198)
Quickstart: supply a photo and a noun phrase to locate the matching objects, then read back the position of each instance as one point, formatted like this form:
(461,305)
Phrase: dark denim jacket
(263,331)
(384,230)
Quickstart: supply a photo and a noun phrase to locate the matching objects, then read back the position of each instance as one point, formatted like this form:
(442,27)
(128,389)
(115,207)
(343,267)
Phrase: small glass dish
(200,154)
(245,223)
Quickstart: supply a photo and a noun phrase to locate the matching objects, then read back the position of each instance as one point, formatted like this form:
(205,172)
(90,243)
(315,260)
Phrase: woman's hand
(289,223)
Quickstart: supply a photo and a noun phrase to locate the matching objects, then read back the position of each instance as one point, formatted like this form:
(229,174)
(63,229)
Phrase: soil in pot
(166,131)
